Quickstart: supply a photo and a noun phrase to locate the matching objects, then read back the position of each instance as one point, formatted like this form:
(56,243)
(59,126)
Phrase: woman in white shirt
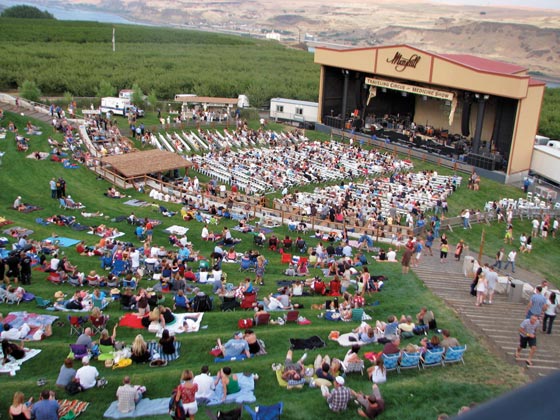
(377,372)
(550,313)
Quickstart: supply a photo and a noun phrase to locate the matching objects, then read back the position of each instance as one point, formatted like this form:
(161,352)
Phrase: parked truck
(119,106)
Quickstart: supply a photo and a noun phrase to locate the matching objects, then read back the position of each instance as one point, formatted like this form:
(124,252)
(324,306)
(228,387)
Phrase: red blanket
(131,320)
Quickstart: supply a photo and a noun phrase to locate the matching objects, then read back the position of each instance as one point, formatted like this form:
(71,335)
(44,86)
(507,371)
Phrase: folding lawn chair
(76,323)
(265,412)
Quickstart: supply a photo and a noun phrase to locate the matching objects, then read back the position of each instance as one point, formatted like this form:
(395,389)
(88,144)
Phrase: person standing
(511,260)
(537,303)
(550,313)
(528,336)
(499,259)
(492,280)
(481,288)
(46,408)
(444,249)
(52,185)
(186,393)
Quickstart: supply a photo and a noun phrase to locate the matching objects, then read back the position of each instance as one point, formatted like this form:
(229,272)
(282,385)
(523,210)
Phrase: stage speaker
(466,117)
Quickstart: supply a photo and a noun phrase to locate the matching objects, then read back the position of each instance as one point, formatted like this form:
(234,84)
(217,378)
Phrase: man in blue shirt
(235,347)
(536,304)
(46,408)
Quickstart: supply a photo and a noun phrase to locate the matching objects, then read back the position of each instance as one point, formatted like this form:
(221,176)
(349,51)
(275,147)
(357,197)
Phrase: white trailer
(119,106)
(546,163)
(294,111)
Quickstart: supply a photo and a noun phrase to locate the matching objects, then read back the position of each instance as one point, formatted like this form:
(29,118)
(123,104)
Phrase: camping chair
(249,300)
(292,316)
(76,323)
(454,355)
(357,314)
(286,258)
(247,264)
(98,324)
(301,246)
(409,361)
(433,358)
(354,367)
(119,267)
(79,351)
(106,262)
(229,304)
(100,303)
(42,303)
(390,361)
(262,319)
(265,412)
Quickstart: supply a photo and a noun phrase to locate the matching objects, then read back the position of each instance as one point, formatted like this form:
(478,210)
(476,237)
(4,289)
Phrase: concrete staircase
(496,324)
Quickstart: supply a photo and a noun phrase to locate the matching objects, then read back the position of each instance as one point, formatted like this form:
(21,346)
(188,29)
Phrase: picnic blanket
(4,221)
(116,235)
(35,321)
(137,203)
(193,320)
(245,395)
(145,407)
(63,241)
(177,230)
(28,208)
(131,320)
(14,365)
(18,231)
(77,406)
(38,155)
(314,342)
(57,306)
(154,347)
(349,339)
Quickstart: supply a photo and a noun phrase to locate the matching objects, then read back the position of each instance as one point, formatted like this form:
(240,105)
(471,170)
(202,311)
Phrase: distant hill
(525,36)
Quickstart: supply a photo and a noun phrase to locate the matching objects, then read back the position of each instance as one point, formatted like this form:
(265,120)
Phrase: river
(73,13)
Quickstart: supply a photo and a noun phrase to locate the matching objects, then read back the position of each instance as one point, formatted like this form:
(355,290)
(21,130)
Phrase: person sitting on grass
(372,405)
(167,342)
(230,383)
(234,347)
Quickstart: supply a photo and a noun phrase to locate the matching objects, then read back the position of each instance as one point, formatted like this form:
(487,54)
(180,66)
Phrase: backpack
(202,303)
(73,388)
(176,410)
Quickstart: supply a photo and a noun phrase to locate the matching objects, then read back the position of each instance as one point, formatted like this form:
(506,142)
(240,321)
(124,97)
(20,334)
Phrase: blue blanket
(62,241)
(246,395)
(144,408)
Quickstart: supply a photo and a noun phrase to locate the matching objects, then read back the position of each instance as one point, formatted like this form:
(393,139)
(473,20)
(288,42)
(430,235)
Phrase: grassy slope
(409,395)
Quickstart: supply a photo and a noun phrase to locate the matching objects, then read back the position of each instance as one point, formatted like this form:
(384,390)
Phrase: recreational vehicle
(303,113)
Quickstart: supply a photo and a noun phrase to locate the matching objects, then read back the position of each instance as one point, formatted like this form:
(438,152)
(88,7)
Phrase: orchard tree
(29,90)
(137,95)
(152,100)
(105,89)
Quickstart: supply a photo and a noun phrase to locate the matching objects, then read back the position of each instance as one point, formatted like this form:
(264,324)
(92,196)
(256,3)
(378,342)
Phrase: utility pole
(481,249)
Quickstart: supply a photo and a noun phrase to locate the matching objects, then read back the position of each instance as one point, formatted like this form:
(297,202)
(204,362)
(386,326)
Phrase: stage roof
(484,64)
(140,163)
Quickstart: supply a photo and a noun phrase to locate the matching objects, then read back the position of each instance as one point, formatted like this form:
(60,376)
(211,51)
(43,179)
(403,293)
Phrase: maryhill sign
(402,63)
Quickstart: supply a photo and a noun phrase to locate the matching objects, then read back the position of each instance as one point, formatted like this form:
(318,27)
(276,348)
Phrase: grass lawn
(410,395)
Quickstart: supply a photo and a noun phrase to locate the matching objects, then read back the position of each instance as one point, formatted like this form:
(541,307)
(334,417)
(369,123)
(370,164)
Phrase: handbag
(245,323)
